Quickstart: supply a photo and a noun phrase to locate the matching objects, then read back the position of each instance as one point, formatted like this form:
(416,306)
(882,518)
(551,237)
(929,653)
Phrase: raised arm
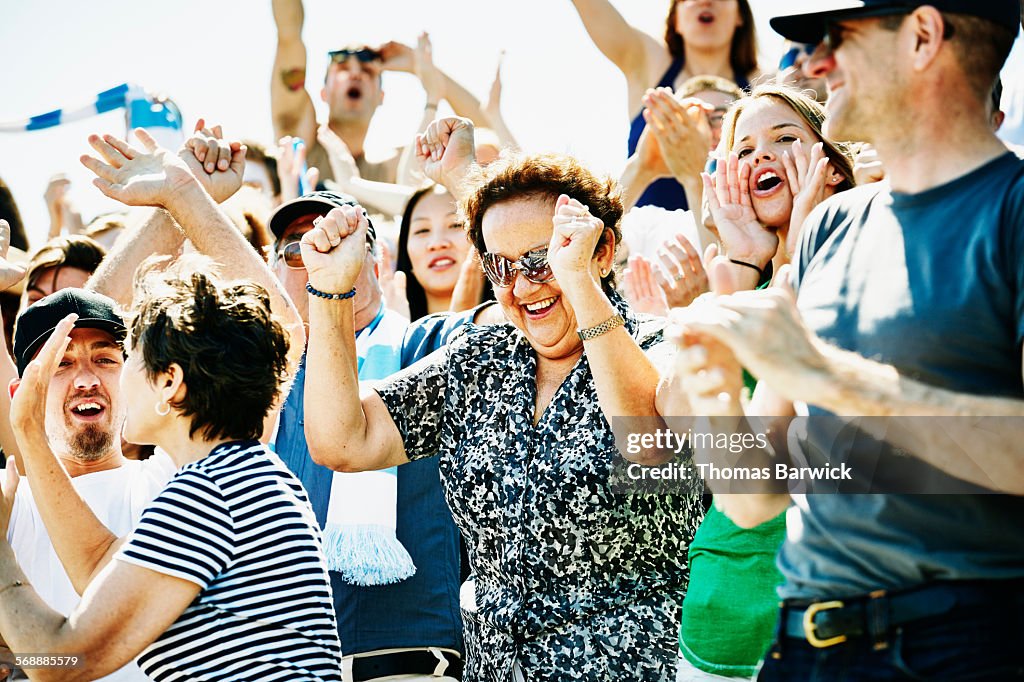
(577,236)
(158,234)
(10,274)
(290,104)
(349,432)
(639,57)
(492,109)
(438,86)
(157,177)
(437,83)
(210,161)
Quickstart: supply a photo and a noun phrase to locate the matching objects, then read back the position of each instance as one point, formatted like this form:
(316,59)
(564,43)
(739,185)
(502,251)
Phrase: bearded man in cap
(84,416)
(909,302)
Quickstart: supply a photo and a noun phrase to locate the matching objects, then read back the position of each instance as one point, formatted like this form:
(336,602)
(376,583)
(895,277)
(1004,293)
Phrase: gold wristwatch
(613,322)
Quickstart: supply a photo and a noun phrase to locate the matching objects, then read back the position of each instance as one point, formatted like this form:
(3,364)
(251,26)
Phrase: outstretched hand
(424,68)
(149,177)
(641,288)
(335,249)
(10,273)
(446,151)
(492,108)
(680,272)
(290,162)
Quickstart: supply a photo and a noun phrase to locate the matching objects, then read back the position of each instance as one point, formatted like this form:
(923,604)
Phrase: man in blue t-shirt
(910,302)
(410,628)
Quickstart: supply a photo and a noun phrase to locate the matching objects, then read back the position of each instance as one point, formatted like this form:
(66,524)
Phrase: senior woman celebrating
(571,581)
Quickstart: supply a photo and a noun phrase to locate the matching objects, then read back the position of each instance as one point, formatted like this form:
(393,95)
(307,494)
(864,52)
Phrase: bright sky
(214,59)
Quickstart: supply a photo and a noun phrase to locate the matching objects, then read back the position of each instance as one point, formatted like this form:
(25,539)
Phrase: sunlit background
(214,59)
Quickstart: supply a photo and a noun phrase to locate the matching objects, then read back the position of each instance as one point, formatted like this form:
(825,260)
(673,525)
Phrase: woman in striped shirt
(224,577)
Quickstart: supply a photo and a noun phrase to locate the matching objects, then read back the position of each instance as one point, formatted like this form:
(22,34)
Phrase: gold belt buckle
(809,627)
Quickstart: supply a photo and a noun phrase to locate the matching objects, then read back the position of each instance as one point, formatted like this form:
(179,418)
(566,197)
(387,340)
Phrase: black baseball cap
(809,27)
(35,324)
(314,203)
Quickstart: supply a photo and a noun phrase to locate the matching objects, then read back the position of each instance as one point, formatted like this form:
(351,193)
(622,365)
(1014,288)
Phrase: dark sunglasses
(291,253)
(793,54)
(364,54)
(502,271)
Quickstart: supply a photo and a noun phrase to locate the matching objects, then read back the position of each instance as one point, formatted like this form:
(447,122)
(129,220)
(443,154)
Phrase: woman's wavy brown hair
(542,176)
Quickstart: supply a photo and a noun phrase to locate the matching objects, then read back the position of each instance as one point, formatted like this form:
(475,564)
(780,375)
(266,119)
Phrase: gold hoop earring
(166,412)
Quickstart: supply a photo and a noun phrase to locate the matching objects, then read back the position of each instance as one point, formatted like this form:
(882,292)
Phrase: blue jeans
(977,643)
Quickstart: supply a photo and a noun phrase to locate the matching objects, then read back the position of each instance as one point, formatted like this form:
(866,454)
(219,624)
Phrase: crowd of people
(295,415)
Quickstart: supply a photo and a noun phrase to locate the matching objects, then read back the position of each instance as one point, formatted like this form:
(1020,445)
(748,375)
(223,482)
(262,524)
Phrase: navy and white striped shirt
(238,524)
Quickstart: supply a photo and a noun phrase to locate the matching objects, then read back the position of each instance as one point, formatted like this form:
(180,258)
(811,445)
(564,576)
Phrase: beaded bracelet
(336,297)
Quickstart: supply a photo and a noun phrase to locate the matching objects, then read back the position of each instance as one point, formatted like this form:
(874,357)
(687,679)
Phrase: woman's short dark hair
(75,251)
(231,349)
(742,54)
(542,176)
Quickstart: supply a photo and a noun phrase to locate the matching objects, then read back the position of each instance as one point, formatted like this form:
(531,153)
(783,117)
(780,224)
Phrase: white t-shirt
(117,497)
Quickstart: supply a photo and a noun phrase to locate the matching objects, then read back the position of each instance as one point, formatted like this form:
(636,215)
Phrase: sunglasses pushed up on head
(502,272)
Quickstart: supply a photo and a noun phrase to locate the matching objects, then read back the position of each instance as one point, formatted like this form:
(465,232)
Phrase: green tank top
(730,608)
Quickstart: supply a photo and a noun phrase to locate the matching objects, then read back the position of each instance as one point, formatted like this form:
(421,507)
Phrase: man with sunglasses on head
(909,306)
(352,89)
(409,627)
